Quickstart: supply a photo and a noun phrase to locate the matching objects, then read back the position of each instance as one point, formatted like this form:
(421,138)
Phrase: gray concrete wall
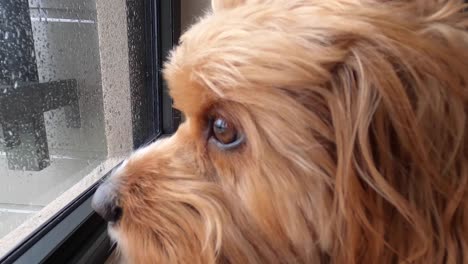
(113,46)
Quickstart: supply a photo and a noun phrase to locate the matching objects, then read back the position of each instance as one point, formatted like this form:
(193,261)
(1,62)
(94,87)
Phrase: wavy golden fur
(355,115)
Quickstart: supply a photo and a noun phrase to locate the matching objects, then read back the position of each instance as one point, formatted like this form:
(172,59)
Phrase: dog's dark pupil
(223,132)
(220,126)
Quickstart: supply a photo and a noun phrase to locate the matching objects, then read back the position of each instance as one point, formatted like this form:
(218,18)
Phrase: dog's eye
(225,134)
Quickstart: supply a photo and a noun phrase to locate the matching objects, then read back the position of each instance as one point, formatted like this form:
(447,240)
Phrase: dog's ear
(218,5)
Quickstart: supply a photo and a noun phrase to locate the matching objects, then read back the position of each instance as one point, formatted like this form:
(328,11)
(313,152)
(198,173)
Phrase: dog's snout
(105,202)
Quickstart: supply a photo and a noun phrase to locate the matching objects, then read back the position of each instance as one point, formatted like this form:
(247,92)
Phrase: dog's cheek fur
(170,210)
(176,227)
(279,182)
(176,209)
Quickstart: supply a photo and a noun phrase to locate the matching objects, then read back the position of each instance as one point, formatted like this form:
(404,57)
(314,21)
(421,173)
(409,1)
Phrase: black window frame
(76,234)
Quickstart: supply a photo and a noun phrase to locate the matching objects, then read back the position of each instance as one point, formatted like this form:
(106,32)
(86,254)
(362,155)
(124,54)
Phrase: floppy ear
(219,5)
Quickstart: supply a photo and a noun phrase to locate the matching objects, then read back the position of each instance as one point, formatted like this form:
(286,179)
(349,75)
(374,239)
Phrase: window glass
(65,105)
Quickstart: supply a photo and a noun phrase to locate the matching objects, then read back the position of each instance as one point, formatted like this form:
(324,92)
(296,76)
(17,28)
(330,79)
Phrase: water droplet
(6,35)
(15,85)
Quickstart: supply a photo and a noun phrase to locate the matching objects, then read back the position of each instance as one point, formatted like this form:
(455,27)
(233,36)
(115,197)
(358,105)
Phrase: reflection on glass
(51,112)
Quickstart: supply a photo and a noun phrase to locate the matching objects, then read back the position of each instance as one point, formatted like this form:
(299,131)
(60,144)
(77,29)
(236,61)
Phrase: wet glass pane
(54,129)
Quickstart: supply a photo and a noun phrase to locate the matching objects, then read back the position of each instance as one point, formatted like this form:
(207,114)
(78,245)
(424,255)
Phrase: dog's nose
(105,202)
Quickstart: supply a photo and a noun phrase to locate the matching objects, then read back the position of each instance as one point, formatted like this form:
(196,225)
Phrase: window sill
(21,233)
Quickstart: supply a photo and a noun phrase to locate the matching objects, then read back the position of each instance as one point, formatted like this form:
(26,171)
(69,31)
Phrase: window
(80,87)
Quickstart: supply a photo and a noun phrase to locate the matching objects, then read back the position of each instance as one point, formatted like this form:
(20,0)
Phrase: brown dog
(317,131)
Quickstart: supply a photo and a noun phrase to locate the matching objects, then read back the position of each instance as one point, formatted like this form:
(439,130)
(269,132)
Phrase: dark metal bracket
(22,119)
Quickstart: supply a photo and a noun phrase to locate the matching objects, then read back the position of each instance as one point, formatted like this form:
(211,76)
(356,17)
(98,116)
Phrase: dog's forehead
(189,72)
(247,53)
(189,95)
(210,61)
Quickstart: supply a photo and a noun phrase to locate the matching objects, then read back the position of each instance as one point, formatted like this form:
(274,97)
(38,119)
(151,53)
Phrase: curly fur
(355,114)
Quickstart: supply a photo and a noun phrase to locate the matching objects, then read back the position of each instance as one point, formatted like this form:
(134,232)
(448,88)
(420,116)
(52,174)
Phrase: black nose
(105,202)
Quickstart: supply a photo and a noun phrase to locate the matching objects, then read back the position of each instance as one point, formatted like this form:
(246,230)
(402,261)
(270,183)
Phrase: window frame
(76,234)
